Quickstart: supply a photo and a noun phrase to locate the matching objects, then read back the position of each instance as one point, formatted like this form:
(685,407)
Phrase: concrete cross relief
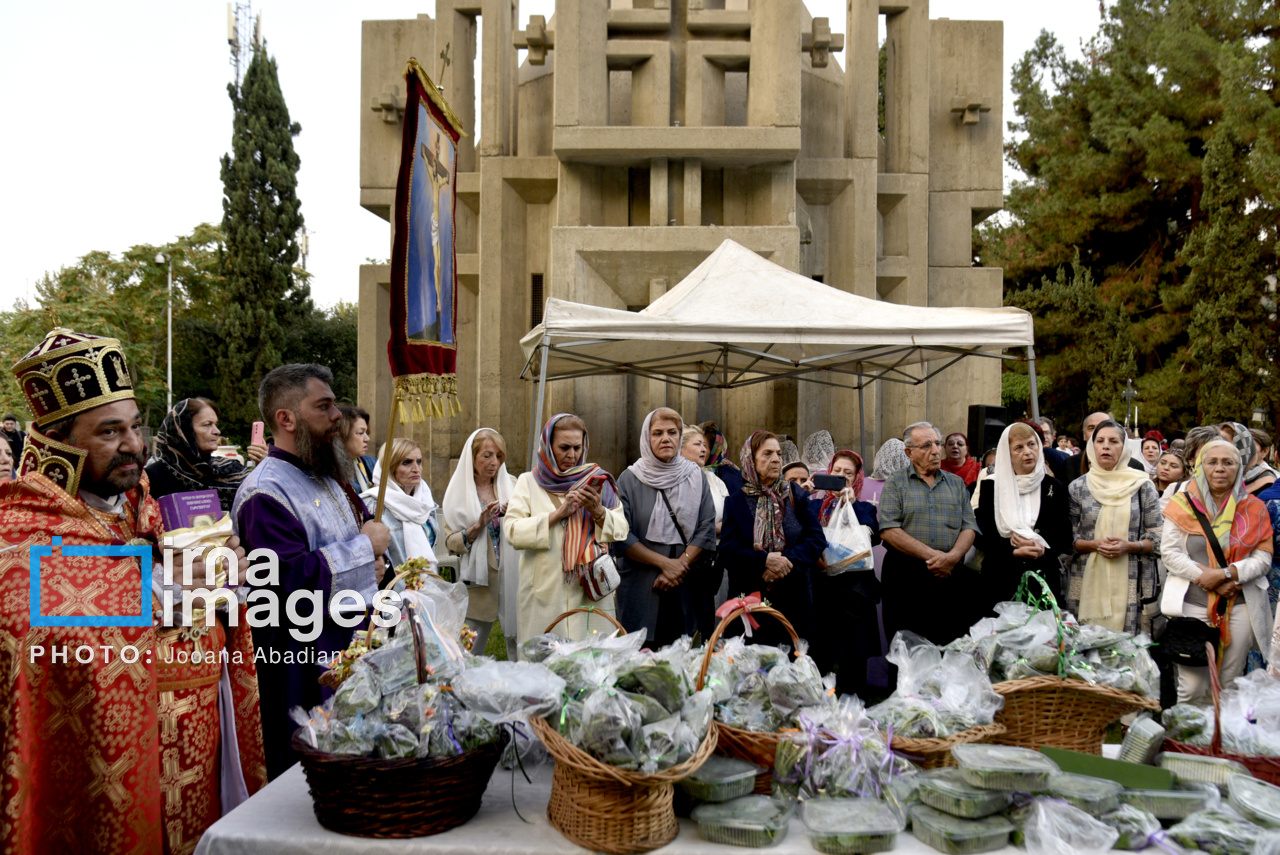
(537,39)
(390,104)
(819,42)
(968,107)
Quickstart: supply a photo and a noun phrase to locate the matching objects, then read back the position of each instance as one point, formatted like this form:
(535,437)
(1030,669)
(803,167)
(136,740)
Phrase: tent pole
(862,425)
(1031,374)
(537,410)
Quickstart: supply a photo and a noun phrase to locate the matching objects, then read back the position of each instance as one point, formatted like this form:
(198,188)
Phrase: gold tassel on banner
(427,396)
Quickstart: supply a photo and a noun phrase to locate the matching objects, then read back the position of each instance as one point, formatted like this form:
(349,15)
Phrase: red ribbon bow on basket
(747,603)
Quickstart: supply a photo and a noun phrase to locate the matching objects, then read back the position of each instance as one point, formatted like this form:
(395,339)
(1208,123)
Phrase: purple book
(185,510)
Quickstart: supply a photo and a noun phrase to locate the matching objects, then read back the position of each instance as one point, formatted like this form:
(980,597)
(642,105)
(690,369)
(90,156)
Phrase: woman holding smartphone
(184,460)
(474,504)
(561,518)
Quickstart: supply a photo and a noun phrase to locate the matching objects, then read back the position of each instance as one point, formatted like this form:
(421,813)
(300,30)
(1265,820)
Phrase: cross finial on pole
(445,61)
(1129,394)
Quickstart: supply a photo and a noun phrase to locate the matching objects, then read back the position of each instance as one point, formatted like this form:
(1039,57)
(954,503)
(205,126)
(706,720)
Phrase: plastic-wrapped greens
(795,684)
(658,748)
(746,714)
(946,790)
(1094,796)
(1004,767)
(1197,768)
(538,648)
(939,693)
(610,729)
(1054,828)
(408,706)
(720,779)
(1134,825)
(1188,723)
(1219,831)
(956,836)
(656,676)
(845,757)
(1173,804)
(901,793)
(452,729)
(753,821)
(509,691)
(851,826)
(1255,799)
(1268,844)
(396,740)
(358,694)
(393,665)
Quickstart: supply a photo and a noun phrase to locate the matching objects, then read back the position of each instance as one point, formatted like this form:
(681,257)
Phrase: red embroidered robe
(113,754)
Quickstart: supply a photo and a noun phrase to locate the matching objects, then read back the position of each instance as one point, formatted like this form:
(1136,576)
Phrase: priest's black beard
(323,455)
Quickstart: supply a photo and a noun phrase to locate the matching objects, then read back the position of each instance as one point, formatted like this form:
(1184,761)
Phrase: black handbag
(1183,642)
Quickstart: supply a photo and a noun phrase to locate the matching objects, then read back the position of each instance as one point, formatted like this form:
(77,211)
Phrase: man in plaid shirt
(927,523)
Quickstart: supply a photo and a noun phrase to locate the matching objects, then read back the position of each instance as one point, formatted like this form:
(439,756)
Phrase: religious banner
(423,345)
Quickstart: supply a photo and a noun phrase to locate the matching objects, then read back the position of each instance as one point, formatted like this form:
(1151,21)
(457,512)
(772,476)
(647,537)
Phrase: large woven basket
(604,808)
(936,753)
(592,610)
(403,797)
(758,748)
(1262,767)
(1062,713)
(410,797)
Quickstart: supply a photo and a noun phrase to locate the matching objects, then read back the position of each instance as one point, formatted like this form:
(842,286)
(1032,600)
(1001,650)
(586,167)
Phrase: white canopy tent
(739,319)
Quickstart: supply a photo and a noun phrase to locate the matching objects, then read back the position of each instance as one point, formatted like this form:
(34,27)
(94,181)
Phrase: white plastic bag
(1057,828)
(848,542)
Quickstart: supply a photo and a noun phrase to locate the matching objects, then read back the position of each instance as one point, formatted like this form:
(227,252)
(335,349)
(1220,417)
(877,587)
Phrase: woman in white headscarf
(1116,524)
(1022,511)
(672,519)
(474,504)
(410,510)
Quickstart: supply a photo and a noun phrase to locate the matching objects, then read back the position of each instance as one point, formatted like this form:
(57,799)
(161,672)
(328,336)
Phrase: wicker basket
(1062,713)
(936,753)
(590,611)
(758,748)
(1262,767)
(410,797)
(604,808)
(404,797)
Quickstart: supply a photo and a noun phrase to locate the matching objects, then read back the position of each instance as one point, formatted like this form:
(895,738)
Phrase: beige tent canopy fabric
(739,319)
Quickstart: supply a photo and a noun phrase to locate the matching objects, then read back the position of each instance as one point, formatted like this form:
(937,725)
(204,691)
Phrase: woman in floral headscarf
(717,460)
(561,517)
(771,541)
(1232,598)
(184,460)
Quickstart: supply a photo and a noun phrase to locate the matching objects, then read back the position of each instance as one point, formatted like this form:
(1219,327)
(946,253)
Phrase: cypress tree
(261,218)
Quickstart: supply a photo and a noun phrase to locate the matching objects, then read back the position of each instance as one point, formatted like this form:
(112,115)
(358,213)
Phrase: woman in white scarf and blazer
(410,510)
(474,504)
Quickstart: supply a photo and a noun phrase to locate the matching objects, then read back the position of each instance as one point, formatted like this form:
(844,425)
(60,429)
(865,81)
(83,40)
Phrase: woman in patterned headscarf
(1258,476)
(717,460)
(1232,597)
(560,518)
(771,541)
(184,454)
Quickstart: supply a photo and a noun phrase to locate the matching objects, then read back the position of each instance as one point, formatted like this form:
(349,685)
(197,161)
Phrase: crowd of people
(1133,533)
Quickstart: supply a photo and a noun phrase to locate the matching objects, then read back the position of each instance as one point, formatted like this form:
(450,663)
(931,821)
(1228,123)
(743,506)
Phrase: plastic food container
(1196,768)
(851,826)
(756,821)
(721,779)
(1143,741)
(956,836)
(1257,800)
(1094,796)
(946,790)
(1134,825)
(1170,804)
(1004,767)
(902,793)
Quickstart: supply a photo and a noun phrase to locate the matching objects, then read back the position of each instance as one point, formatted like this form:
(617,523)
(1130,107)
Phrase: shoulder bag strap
(684,539)
(1210,536)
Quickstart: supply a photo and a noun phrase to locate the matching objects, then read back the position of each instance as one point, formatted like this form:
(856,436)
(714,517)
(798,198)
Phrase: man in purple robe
(300,504)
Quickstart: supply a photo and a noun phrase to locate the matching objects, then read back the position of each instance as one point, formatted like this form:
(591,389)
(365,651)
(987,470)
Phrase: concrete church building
(622,140)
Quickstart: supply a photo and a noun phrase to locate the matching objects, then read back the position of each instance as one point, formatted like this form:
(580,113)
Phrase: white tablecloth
(280,820)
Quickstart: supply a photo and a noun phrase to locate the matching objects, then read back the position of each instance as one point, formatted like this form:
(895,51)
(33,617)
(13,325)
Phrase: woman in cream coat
(559,518)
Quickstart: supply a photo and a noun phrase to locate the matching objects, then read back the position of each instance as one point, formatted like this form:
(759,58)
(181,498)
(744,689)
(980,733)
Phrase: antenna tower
(244,35)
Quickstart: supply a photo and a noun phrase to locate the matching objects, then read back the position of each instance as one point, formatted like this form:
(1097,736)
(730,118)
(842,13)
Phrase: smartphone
(830,483)
(597,479)
(255,438)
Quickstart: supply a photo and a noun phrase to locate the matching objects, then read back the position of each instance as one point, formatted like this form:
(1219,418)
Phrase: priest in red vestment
(111,737)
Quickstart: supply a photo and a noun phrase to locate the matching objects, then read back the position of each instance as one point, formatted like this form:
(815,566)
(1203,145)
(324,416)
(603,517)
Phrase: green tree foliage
(125,297)
(1114,148)
(265,297)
